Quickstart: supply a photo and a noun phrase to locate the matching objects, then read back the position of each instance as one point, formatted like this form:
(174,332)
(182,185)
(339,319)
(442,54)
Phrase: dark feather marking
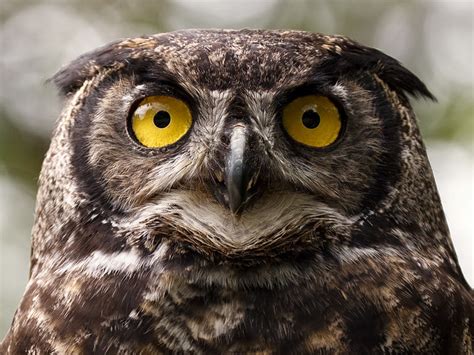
(365,327)
(388,170)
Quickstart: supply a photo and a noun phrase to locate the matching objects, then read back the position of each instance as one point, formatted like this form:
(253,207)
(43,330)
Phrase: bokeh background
(434,39)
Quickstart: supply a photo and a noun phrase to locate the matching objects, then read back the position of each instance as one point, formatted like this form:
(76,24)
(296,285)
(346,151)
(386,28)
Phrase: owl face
(237,140)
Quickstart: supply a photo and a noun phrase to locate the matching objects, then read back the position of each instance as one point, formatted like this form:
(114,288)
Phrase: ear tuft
(71,77)
(355,57)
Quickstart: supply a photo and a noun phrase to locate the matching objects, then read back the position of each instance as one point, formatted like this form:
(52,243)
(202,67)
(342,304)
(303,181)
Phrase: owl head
(236,144)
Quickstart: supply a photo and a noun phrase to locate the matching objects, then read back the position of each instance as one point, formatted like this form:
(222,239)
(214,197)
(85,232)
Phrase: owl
(251,191)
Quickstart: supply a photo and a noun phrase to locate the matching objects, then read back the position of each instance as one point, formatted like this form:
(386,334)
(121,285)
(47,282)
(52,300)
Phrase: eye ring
(313,120)
(159,121)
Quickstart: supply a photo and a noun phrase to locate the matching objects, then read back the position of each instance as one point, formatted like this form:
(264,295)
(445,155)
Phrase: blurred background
(434,39)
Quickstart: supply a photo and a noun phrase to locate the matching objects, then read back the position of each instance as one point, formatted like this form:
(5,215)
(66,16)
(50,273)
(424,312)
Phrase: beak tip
(235,197)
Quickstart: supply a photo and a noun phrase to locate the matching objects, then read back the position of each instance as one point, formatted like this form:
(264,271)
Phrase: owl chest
(298,318)
(215,319)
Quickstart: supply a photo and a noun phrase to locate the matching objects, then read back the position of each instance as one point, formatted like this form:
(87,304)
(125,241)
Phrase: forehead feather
(220,59)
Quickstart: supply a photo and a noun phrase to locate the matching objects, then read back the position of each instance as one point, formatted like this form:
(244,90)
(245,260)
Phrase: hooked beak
(238,179)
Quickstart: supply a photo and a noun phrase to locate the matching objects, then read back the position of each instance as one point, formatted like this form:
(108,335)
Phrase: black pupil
(310,119)
(161,119)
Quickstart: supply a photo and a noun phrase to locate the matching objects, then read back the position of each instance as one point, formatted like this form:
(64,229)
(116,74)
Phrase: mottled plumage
(337,250)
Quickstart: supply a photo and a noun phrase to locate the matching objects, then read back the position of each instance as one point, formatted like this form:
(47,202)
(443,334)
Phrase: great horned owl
(240,192)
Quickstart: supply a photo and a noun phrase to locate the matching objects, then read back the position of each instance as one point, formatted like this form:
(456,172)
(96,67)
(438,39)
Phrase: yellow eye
(312,120)
(159,121)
